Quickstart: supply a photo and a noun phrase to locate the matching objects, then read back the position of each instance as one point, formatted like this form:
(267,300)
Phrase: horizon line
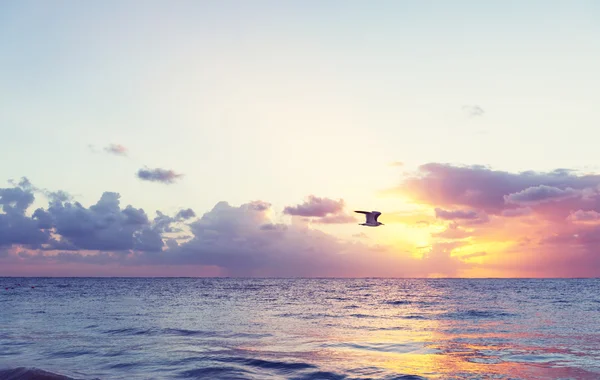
(313,278)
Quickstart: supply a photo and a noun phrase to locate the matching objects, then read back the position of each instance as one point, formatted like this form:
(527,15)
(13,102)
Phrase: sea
(234,328)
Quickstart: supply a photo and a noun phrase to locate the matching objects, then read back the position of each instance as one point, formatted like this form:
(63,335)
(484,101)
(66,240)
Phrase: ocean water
(188,328)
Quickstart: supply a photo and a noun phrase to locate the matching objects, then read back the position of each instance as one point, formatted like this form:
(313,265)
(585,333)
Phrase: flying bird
(371,218)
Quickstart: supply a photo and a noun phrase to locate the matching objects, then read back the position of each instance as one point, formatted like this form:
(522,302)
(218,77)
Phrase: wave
(23,373)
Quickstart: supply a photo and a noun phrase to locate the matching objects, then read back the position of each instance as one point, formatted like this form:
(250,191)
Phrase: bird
(371,218)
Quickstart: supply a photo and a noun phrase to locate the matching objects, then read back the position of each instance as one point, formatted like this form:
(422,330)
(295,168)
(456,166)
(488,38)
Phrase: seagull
(371,218)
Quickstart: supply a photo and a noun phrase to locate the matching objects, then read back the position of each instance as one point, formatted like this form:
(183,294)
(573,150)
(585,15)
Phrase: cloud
(540,194)
(158,175)
(186,214)
(473,255)
(316,206)
(584,216)
(453,215)
(70,226)
(453,232)
(397,163)
(116,149)
(557,238)
(15,226)
(469,217)
(481,188)
(238,240)
(516,212)
(321,210)
(473,110)
(336,219)
(103,226)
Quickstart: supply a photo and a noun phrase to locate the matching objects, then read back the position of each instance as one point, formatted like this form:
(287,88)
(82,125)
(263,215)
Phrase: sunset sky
(235,138)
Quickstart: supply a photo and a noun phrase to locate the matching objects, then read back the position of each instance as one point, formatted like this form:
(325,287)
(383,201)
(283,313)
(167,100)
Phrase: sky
(235,138)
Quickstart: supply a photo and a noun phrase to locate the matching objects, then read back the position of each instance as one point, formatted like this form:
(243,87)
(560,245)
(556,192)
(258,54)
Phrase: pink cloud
(584,216)
(321,210)
(557,238)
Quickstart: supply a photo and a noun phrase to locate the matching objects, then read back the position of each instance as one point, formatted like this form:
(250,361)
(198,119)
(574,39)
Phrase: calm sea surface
(300,328)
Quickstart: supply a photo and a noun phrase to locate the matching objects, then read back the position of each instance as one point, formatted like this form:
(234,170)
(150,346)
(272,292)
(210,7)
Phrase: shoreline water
(299,328)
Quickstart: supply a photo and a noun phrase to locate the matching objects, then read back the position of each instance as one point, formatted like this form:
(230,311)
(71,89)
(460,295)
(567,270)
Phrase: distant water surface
(300,328)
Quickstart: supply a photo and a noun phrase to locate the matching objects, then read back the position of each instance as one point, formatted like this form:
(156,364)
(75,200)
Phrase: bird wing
(375,215)
(368,214)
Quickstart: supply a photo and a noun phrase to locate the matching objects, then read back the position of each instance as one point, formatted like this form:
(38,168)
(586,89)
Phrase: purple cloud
(480,188)
(158,175)
(584,216)
(321,210)
(540,194)
(336,219)
(469,217)
(457,214)
(315,206)
(185,214)
(116,149)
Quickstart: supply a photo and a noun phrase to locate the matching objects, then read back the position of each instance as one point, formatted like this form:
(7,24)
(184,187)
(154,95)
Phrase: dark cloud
(70,226)
(540,194)
(102,226)
(116,149)
(15,200)
(158,175)
(473,110)
(185,214)
(15,226)
(25,184)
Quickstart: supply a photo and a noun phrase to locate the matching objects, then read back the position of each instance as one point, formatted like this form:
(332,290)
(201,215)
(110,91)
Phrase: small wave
(320,375)
(23,373)
(124,365)
(214,372)
(475,314)
(339,298)
(249,335)
(363,316)
(275,365)
(391,328)
(70,354)
(398,302)
(414,316)
(184,332)
(129,331)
